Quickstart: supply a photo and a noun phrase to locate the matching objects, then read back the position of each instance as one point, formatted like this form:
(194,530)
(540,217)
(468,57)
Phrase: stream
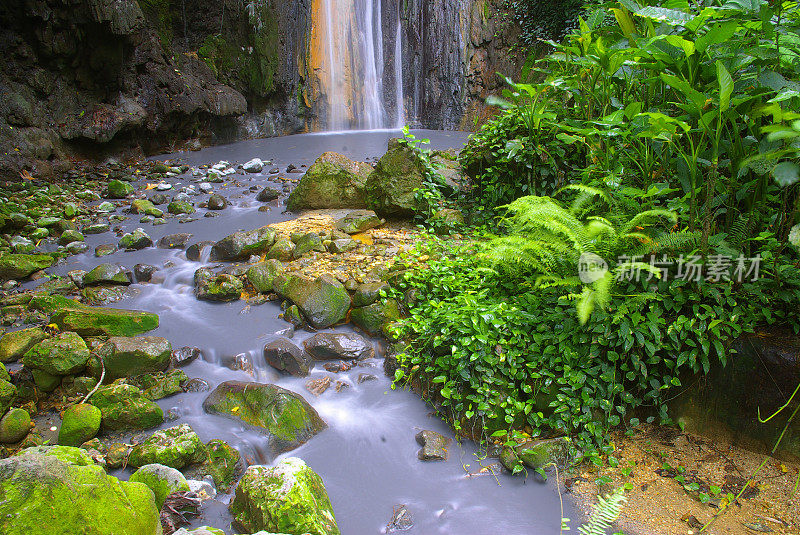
(367,456)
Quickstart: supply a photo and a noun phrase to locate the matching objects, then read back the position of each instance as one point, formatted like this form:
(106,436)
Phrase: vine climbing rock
(286,418)
(44,494)
(287,498)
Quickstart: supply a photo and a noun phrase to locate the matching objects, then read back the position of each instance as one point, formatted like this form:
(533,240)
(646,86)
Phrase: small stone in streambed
(341,386)
(359,221)
(283,355)
(335,346)
(338,367)
(108,274)
(217,202)
(268,194)
(136,240)
(318,386)
(185,356)
(174,241)
(159,198)
(98,228)
(81,422)
(195,250)
(144,272)
(162,480)
(105,250)
(196,385)
(434,446)
(253,166)
(364,377)
(14,426)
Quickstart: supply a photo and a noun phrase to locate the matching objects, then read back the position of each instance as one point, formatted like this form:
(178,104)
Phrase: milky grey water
(367,456)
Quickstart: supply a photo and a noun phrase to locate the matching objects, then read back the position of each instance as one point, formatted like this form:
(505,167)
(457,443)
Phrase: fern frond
(650,218)
(604,514)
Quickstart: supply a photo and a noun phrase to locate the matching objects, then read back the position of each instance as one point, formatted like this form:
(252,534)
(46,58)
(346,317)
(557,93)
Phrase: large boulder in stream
(19,266)
(92,321)
(241,245)
(283,355)
(44,494)
(108,274)
(324,301)
(287,498)
(222,287)
(286,417)
(125,356)
(333,181)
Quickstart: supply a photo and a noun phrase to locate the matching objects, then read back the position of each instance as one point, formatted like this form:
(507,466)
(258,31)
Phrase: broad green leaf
(694,96)
(725,86)
(672,17)
(625,22)
(718,33)
(678,41)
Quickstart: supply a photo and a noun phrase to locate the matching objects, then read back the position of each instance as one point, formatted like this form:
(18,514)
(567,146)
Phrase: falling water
(353,81)
(400,122)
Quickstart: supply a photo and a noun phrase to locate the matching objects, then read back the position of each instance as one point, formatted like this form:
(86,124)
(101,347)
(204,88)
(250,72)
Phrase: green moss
(64,354)
(175,447)
(90,321)
(159,13)
(124,407)
(81,423)
(15,344)
(162,480)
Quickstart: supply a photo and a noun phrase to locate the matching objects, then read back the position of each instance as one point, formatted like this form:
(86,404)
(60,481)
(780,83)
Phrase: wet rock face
(241,245)
(434,446)
(175,447)
(338,346)
(323,301)
(287,498)
(129,356)
(125,408)
(286,418)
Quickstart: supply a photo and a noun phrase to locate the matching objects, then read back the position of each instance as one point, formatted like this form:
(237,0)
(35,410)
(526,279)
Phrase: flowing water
(367,456)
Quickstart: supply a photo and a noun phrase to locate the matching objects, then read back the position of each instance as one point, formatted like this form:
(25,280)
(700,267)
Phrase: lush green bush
(495,353)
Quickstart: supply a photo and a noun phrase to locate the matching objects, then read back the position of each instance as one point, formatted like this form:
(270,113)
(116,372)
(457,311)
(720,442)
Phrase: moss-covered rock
(333,181)
(323,301)
(19,266)
(43,495)
(180,207)
(162,480)
(136,240)
(222,464)
(289,497)
(108,274)
(66,454)
(80,423)
(176,447)
(48,304)
(63,354)
(159,385)
(117,189)
(241,245)
(535,454)
(91,321)
(283,355)
(287,418)
(124,408)
(373,319)
(339,346)
(46,382)
(15,344)
(14,426)
(145,207)
(70,236)
(358,221)
(222,287)
(282,250)
(262,275)
(390,188)
(308,242)
(125,356)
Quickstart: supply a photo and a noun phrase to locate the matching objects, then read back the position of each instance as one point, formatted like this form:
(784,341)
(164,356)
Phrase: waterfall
(352,66)
(400,122)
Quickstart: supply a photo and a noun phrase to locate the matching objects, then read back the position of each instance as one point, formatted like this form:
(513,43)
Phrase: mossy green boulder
(44,495)
(180,207)
(368,293)
(176,447)
(14,426)
(136,240)
(308,242)
(262,275)
(162,480)
(332,181)
(282,250)
(80,423)
(127,356)
(15,344)
(221,463)
(108,274)
(287,418)
(46,382)
(19,266)
(145,207)
(324,301)
(93,321)
(241,245)
(124,407)
(117,189)
(373,319)
(222,287)
(535,454)
(48,304)
(289,497)
(63,354)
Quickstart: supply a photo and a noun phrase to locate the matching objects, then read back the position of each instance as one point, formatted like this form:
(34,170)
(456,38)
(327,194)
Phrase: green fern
(604,514)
